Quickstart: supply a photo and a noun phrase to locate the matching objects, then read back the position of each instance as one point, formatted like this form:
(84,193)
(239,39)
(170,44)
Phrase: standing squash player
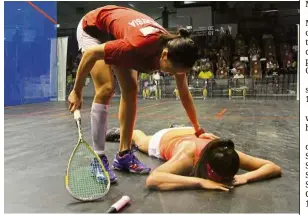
(126,41)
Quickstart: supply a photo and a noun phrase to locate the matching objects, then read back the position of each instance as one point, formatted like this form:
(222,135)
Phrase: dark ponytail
(182,50)
(183,32)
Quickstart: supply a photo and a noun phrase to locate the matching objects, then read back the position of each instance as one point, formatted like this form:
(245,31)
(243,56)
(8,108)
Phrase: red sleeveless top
(136,44)
(167,145)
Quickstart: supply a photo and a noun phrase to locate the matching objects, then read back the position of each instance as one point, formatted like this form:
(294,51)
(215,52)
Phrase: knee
(105,91)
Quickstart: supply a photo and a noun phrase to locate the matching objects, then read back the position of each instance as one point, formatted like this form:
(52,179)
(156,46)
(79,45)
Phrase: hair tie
(214,176)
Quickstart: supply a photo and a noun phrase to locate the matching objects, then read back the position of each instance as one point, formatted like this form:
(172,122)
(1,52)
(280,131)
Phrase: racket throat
(78,124)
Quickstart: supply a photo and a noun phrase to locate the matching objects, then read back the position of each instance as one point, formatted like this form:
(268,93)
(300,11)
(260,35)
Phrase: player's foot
(130,163)
(113,134)
(112,176)
(98,172)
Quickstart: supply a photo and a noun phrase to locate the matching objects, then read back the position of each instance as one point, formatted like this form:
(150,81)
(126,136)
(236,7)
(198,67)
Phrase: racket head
(80,182)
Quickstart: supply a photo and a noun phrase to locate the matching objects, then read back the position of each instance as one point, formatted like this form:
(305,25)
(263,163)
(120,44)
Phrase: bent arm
(269,170)
(259,169)
(169,176)
(168,181)
(187,100)
(86,64)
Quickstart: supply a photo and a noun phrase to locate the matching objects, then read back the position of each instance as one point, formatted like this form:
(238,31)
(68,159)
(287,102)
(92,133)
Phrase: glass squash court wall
(30,53)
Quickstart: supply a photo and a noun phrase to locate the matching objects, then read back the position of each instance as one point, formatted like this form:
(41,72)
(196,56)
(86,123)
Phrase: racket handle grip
(116,207)
(77,115)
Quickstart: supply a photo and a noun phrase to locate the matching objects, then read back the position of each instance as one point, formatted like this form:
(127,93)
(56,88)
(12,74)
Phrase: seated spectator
(222,71)
(222,63)
(239,65)
(287,59)
(238,75)
(291,67)
(206,72)
(274,70)
(270,64)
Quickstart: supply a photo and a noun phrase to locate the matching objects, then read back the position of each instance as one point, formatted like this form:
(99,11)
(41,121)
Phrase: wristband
(199,132)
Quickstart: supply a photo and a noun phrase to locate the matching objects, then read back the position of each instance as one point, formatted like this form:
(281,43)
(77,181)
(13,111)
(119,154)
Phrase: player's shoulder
(189,147)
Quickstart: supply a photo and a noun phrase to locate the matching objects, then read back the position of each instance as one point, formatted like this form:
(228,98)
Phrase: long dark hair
(220,156)
(182,50)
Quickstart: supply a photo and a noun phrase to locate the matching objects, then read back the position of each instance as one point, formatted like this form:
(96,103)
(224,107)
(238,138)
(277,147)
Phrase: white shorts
(155,141)
(84,40)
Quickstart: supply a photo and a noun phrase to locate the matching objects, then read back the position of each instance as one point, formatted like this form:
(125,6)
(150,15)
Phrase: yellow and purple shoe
(130,163)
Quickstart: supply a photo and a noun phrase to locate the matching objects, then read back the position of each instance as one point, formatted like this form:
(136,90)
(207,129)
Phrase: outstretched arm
(167,181)
(187,100)
(258,169)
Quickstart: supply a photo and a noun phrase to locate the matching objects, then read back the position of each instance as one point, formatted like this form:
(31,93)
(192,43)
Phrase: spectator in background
(274,70)
(69,82)
(270,64)
(157,82)
(294,67)
(206,72)
(238,75)
(222,70)
(156,76)
(222,63)
(291,68)
(145,80)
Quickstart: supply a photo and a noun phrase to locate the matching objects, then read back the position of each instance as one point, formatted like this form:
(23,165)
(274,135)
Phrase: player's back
(119,21)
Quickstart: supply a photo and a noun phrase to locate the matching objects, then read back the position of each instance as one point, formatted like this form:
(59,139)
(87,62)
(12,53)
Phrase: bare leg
(128,105)
(125,160)
(141,140)
(103,82)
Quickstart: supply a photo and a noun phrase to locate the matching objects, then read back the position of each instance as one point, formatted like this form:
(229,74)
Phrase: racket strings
(83,182)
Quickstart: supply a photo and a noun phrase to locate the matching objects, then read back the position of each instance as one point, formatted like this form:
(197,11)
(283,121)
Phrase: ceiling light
(189,2)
